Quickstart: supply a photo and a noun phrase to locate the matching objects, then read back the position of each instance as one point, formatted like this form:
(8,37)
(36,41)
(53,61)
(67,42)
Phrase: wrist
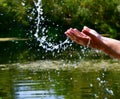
(104,45)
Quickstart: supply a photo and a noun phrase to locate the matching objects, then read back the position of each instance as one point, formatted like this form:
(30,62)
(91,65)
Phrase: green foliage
(102,15)
(13,16)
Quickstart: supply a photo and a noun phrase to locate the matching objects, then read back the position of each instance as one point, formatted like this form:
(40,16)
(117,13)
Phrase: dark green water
(55,79)
(59,84)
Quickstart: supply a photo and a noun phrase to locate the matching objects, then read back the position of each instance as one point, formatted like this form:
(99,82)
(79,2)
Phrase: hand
(84,37)
(77,36)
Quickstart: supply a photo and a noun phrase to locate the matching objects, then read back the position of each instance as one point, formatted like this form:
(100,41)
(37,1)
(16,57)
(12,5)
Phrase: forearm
(111,47)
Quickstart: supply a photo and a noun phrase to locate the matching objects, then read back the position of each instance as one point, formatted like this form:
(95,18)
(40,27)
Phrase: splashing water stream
(48,46)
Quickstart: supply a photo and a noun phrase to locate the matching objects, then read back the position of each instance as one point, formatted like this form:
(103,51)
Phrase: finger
(71,36)
(91,33)
(68,31)
(80,38)
(77,33)
(77,36)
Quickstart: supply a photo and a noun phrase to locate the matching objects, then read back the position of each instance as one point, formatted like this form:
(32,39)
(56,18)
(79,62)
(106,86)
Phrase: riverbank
(12,39)
(83,65)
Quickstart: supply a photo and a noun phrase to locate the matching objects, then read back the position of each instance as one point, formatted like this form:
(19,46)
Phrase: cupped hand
(84,37)
(77,36)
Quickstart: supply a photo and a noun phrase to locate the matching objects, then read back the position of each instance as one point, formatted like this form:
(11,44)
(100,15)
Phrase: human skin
(108,45)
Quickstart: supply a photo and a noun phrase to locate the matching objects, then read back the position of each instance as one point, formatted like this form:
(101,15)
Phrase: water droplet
(91,85)
(98,79)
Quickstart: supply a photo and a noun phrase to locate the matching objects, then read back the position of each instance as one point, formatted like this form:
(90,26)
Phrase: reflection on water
(59,84)
(35,86)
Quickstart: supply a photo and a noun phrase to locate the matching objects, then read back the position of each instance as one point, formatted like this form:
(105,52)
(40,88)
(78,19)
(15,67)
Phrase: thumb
(90,32)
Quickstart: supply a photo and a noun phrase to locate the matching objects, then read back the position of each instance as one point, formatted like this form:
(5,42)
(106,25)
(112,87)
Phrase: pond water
(30,68)
(47,79)
(24,76)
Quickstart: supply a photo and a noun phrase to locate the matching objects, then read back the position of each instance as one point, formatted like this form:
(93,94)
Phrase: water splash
(105,92)
(43,39)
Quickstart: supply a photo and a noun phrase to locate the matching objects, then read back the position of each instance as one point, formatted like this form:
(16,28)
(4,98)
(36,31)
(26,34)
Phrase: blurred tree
(102,15)
(13,16)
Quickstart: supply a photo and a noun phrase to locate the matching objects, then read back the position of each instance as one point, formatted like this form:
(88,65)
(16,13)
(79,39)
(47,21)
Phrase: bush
(102,15)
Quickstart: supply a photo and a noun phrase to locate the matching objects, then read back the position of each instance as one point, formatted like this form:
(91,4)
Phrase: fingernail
(85,27)
(65,32)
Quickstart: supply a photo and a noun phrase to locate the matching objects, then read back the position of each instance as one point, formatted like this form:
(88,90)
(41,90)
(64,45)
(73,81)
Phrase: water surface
(61,80)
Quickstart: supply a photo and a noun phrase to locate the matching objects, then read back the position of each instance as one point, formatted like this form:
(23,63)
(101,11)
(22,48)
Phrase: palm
(84,36)
(77,36)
